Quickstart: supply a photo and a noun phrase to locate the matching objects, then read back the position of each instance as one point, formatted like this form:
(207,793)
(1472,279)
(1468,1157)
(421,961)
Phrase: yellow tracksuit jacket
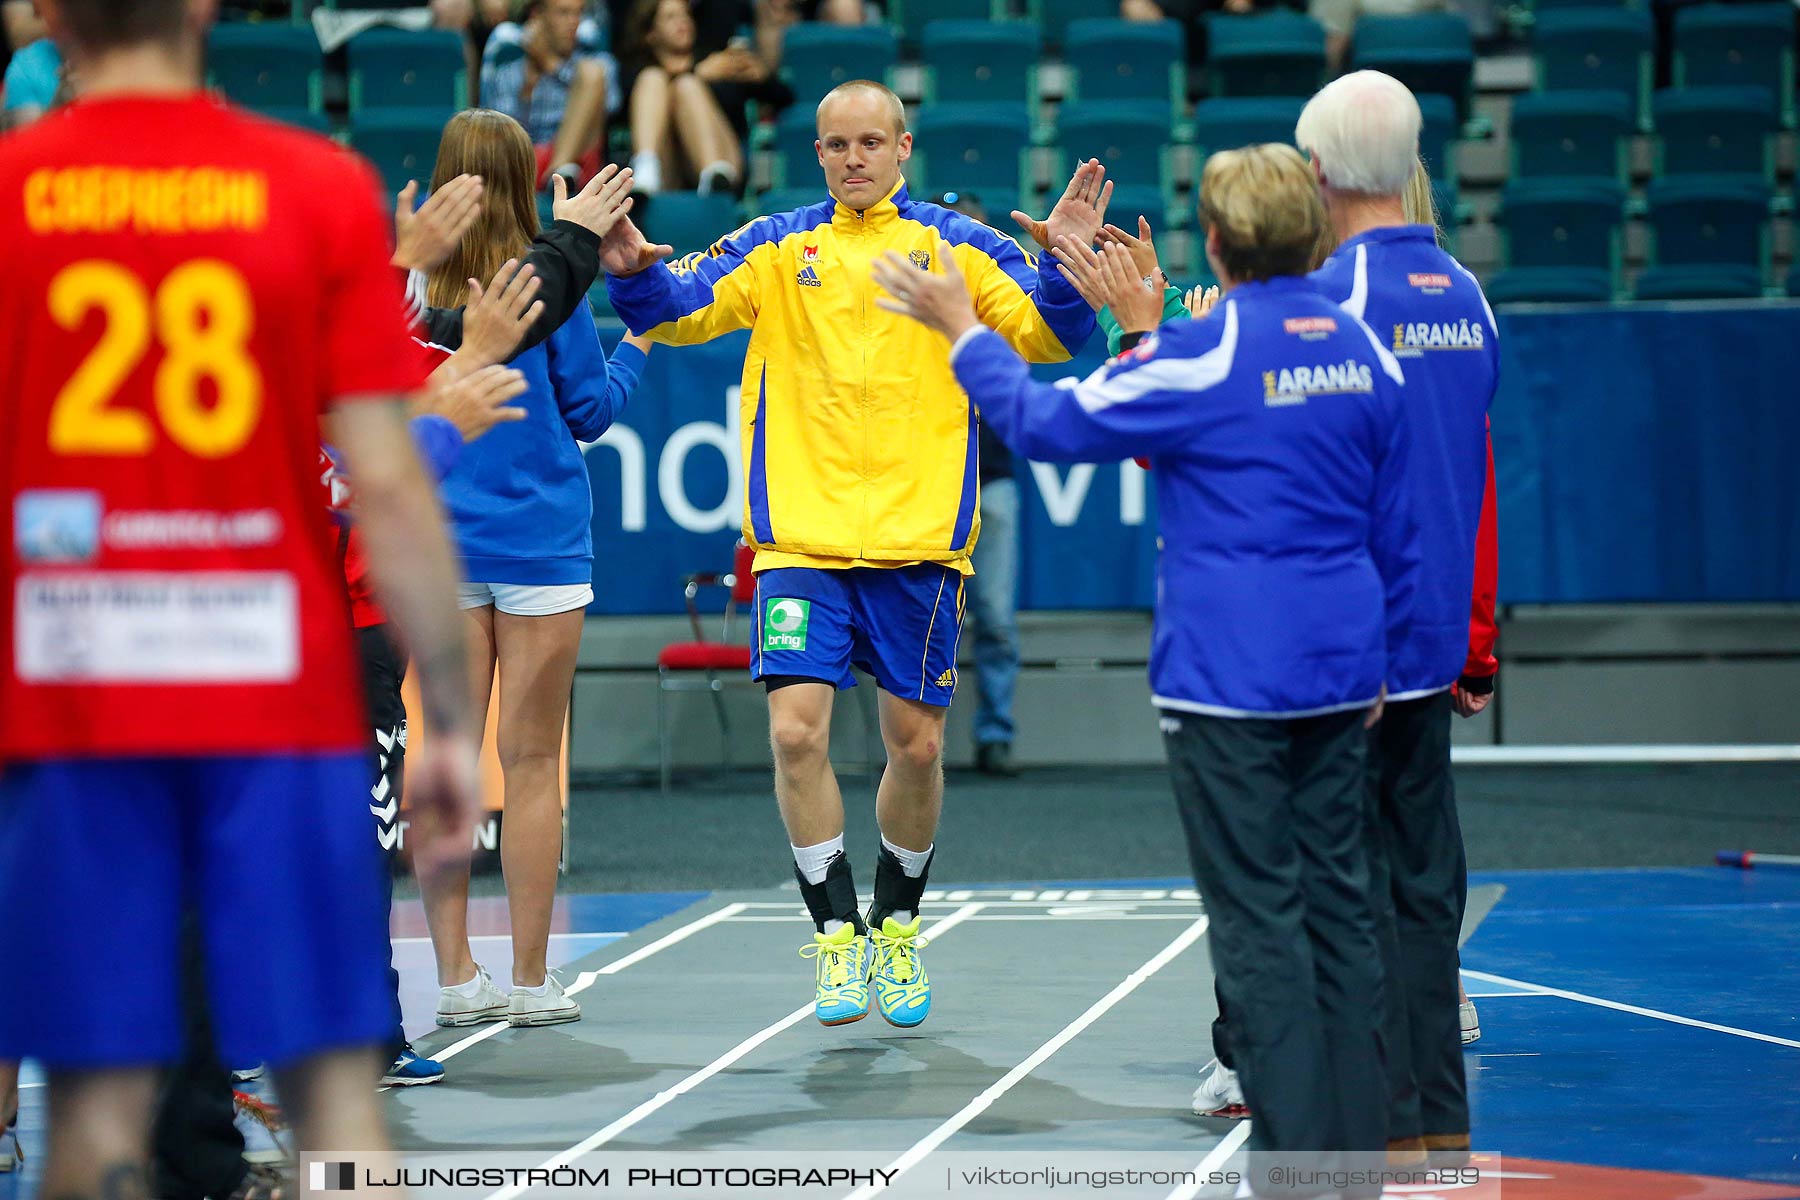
(859,448)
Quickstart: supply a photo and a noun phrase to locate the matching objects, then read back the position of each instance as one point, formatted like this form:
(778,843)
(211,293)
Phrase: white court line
(1669,753)
(1502,995)
(788,918)
(922,1148)
(1583,998)
(507,937)
(694,1080)
(1090,901)
(1215,1159)
(587,978)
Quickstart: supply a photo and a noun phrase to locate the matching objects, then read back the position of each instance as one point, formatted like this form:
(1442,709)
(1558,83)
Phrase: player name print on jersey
(175,200)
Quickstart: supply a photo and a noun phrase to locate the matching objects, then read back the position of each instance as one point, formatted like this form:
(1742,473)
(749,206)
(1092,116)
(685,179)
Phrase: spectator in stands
(520,505)
(688,103)
(542,78)
(1193,16)
(35,83)
(994,588)
(1339,18)
(474,19)
(20,23)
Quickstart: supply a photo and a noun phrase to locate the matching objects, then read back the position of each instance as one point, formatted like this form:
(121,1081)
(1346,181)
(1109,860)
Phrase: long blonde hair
(479,141)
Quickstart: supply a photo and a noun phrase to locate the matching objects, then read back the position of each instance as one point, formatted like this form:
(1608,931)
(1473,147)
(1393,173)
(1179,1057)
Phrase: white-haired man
(1361,134)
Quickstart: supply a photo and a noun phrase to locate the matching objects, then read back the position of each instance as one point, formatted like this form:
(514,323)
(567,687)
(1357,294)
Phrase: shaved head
(864,90)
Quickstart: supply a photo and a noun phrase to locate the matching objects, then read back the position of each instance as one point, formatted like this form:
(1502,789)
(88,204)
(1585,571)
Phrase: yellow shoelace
(837,961)
(901,952)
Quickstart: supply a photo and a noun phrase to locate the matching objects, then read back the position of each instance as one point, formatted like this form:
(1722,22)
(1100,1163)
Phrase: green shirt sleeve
(1172,310)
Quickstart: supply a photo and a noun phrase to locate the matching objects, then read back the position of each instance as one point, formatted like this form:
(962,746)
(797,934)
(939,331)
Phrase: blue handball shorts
(900,624)
(98,860)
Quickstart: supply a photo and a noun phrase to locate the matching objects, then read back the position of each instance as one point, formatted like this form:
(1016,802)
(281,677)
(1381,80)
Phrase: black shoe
(995,758)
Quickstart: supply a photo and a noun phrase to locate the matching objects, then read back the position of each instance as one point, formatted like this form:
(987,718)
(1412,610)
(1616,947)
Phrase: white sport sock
(911,861)
(469,990)
(814,861)
(542,989)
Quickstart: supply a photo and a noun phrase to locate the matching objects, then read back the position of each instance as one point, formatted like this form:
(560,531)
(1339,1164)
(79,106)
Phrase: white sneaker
(1471,1022)
(1219,1094)
(487,1004)
(646,173)
(551,1008)
(11,1157)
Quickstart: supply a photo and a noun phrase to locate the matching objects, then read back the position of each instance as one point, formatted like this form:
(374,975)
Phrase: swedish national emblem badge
(921,259)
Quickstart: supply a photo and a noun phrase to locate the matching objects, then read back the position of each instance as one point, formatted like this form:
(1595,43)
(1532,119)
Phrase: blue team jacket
(1289,552)
(1430,313)
(519,498)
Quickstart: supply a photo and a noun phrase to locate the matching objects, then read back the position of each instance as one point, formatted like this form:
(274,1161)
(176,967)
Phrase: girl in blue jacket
(1289,563)
(522,512)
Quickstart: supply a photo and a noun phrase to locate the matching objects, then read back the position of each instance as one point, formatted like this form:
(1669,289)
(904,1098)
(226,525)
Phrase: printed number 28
(83,419)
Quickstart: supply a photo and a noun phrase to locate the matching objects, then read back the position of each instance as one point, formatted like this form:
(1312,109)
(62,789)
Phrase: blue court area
(1636,1019)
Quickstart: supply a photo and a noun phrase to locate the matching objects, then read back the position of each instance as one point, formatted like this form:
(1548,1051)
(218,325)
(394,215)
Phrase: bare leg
(332,1102)
(649,111)
(445,891)
(583,125)
(9,1092)
(911,797)
(806,788)
(100,1134)
(537,669)
(706,136)
(841,12)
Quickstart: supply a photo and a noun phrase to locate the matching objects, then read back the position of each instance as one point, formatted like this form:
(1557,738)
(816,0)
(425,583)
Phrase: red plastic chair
(696,666)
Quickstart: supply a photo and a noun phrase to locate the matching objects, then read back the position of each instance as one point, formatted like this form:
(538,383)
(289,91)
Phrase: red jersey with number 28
(187,288)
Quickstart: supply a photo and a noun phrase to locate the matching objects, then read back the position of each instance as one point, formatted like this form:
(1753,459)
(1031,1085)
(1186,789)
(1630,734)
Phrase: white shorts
(526,599)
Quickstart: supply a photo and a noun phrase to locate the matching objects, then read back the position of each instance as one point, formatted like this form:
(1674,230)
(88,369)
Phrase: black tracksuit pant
(1273,811)
(1419,882)
(384,667)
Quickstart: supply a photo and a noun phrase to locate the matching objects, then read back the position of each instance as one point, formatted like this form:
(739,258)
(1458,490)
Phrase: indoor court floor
(1639,1041)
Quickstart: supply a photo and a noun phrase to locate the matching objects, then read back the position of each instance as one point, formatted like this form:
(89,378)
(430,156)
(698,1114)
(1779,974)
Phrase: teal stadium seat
(1129,137)
(1539,7)
(1132,201)
(1274,53)
(981,60)
(305,118)
(1432,53)
(1561,238)
(1596,49)
(689,221)
(1226,124)
(1127,60)
(781,200)
(1711,237)
(1438,136)
(397,68)
(976,147)
(796,161)
(816,57)
(1715,130)
(1054,17)
(402,143)
(1746,44)
(1571,134)
(265,66)
(911,17)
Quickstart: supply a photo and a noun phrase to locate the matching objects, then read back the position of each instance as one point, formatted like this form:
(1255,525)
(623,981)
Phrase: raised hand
(1200,301)
(1106,278)
(598,206)
(1080,213)
(1142,247)
(936,299)
(495,321)
(425,240)
(624,250)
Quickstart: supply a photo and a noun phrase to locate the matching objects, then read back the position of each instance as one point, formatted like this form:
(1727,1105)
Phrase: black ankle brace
(894,890)
(835,898)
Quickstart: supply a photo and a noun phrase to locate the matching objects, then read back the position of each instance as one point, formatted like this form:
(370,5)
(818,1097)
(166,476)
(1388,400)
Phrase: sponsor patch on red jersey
(1429,282)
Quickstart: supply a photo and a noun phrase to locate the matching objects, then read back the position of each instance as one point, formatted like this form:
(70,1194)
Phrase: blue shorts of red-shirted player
(900,624)
(98,860)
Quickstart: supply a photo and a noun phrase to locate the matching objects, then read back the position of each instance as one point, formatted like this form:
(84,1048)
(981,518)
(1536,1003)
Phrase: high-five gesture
(1143,250)
(937,300)
(1107,278)
(625,251)
(424,240)
(1080,213)
(598,206)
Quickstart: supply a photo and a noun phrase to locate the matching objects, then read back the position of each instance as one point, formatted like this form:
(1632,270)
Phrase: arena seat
(1557,224)
(911,17)
(402,143)
(816,57)
(1274,53)
(974,146)
(1587,49)
(1711,235)
(1550,284)
(1054,17)
(1571,134)
(689,221)
(1225,124)
(1129,137)
(981,61)
(1127,60)
(1750,44)
(266,66)
(397,68)
(1715,130)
